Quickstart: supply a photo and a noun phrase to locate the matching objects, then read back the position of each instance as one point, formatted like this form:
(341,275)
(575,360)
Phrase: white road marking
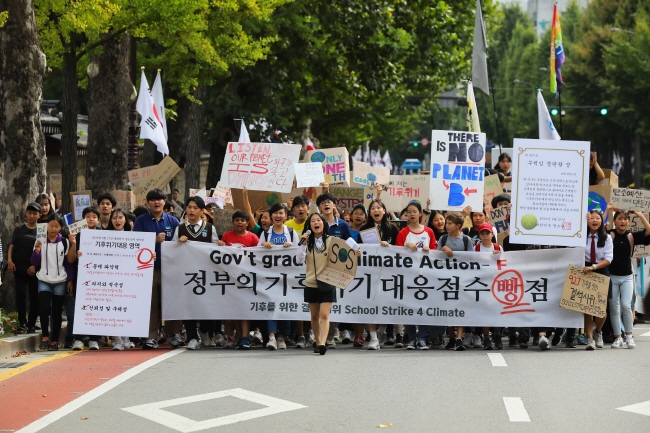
(647,334)
(97,392)
(497,360)
(640,408)
(154,411)
(516,410)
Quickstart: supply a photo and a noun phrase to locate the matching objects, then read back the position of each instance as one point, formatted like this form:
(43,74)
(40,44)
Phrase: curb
(10,345)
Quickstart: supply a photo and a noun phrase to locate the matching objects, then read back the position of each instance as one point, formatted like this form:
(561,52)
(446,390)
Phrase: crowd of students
(45,271)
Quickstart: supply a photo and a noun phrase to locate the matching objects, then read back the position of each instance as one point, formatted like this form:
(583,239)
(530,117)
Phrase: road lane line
(516,410)
(97,392)
(647,334)
(640,408)
(497,360)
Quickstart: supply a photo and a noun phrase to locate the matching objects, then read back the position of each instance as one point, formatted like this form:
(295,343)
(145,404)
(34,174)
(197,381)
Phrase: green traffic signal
(554,111)
(415,144)
(604,111)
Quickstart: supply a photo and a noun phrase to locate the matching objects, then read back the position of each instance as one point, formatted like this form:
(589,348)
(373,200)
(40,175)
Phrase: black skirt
(315,296)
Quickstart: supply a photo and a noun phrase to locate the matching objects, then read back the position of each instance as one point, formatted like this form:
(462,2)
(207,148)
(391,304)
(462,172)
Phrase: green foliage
(3,18)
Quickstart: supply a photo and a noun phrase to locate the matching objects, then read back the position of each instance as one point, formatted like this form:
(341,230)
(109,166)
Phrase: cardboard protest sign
(223,220)
(549,192)
(636,225)
(499,218)
(56,183)
(370,175)
(78,226)
(630,199)
(78,202)
(457,167)
(160,177)
(491,188)
(260,166)
(585,293)
(220,191)
(404,189)
(611,178)
(336,164)
(125,200)
(257,199)
(309,174)
(341,264)
(347,198)
(137,176)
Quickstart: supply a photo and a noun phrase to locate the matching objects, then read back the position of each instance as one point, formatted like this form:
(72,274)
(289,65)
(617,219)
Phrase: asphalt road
(354,390)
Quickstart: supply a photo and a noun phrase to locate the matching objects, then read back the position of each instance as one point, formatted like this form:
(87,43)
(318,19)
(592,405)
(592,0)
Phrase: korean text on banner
(79,201)
(457,167)
(549,192)
(341,264)
(139,174)
(630,199)
(404,189)
(114,283)
(159,178)
(392,284)
(370,175)
(309,174)
(336,164)
(260,166)
(125,200)
(585,293)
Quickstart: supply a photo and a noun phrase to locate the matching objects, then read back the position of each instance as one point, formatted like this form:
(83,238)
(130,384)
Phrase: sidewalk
(29,342)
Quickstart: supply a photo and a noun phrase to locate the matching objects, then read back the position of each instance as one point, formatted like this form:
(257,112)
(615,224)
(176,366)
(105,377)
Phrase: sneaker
(272,344)
(476,342)
(459,345)
(174,340)
(281,343)
(193,345)
(301,343)
(543,342)
(289,342)
(126,342)
(390,341)
(257,338)
(31,330)
(53,346)
(557,337)
(21,329)
(218,340)
(422,345)
(205,339)
(331,344)
(487,344)
(337,335)
(117,344)
(37,325)
(451,344)
(230,344)
(311,339)
(467,339)
(399,341)
(374,344)
(345,337)
(512,341)
(151,343)
(582,340)
(244,343)
(381,334)
(599,340)
(92,345)
(571,342)
(358,341)
(411,345)
(45,341)
(591,344)
(78,345)
(67,344)
(498,344)
(618,343)
(629,341)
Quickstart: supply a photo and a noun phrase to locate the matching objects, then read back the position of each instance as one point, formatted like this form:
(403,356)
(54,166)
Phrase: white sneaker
(151,343)
(618,343)
(193,344)
(476,342)
(467,339)
(218,340)
(591,344)
(257,337)
(77,345)
(599,339)
(411,345)
(374,344)
(93,345)
(543,342)
(117,344)
(126,343)
(629,340)
(205,339)
(174,340)
(272,344)
(345,337)
(281,343)
(422,345)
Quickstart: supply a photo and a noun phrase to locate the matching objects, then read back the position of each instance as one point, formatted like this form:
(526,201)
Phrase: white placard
(41,232)
(457,169)
(223,192)
(309,174)
(78,226)
(216,200)
(114,283)
(404,189)
(370,236)
(550,191)
(260,166)
(370,175)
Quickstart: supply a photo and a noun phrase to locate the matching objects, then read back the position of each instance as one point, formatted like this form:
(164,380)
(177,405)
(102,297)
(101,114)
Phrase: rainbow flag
(557,53)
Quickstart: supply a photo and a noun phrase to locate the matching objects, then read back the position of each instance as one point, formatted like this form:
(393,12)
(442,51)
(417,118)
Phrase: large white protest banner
(392,285)
(114,283)
(260,166)
(457,168)
(404,189)
(550,192)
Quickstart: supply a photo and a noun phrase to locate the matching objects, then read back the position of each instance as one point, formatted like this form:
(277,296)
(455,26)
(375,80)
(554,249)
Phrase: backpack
(266,234)
(443,241)
(477,247)
(630,239)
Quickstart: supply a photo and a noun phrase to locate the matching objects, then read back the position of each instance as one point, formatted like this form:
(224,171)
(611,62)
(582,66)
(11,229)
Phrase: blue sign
(412,164)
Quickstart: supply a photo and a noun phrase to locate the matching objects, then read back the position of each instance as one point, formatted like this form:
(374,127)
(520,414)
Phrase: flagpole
(494,103)
(559,95)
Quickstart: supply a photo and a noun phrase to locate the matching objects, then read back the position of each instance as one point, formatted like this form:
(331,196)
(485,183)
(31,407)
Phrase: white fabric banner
(393,285)
(114,283)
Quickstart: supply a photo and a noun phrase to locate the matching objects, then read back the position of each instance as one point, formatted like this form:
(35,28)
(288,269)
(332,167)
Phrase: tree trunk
(22,146)
(193,154)
(69,127)
(218,153)
(109,94)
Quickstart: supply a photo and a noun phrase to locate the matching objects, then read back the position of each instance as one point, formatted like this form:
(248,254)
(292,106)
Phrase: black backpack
(443,241)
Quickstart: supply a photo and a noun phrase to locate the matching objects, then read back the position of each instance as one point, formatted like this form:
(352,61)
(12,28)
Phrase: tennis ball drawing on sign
(457,170)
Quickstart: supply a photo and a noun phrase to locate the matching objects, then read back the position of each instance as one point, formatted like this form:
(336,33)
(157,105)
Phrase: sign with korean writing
(260,166)
(457,167)
(125,200)
(585,293)
(630,199)
(550,192)
(78,202)
(370,175)
(491,188)
(139,174)
(114,283)
(309,174)
(56,183)
(78,226)
(392,285)
(159,178)
(223,220)
(404,189)
(341,264)
(336,164)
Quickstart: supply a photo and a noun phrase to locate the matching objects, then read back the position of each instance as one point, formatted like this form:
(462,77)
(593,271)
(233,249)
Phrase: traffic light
(604,111)
(416,144)
(554,111)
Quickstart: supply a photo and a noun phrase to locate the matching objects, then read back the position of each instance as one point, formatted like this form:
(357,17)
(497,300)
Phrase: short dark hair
(140,210)
(240,214)
(297,201)
(324,197)
(210,205)
(107,196)
(500,197)
(471,214)
(176,190)
(57,218)
(90,209)
(156,194)
(277,208)
(130,216)
(168,206)
(198,201)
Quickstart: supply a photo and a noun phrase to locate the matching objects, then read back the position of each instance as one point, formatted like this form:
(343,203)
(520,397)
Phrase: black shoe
(45,341)
(31,330)
(536,341)
(571,342)
(459,345)
(21,329)
(322,349)
(68,344)
(557,337)
(497,341)
(399,341)
(487,344)
(607,338)
(512,341)
(390,341)
(451,344)
(53,346)
(316,349)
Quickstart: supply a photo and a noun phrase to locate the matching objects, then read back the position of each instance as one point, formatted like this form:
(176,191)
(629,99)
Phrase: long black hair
(503,156)
(602,231)
(38,200)
(384,224)
(311,241)
(127,226)
(432,215)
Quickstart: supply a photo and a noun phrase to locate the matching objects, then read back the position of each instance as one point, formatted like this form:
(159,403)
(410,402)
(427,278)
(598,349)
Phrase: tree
(22,147)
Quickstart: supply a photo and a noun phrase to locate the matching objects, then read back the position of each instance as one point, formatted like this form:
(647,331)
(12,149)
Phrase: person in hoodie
(55,275)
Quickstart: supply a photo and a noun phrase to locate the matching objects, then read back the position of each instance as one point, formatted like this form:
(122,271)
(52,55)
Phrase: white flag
(151,123)
(472,113)
(479,53)
(357,156)
(366,153)
(243,134)
(157,95)
(546,129)
(387,162)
